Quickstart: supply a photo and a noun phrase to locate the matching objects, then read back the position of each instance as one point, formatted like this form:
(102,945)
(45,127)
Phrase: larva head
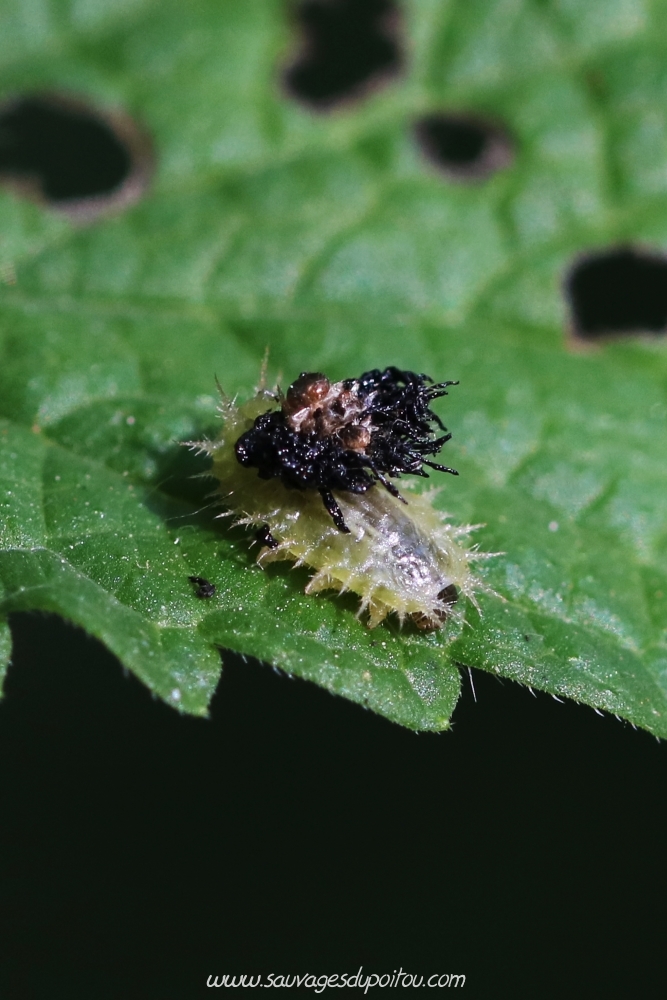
(430,621)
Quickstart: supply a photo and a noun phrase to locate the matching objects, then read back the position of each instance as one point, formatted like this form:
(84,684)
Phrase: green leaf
(329,239)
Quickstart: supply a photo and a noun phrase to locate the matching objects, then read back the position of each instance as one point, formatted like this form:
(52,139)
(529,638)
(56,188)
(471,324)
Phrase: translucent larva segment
(398,557)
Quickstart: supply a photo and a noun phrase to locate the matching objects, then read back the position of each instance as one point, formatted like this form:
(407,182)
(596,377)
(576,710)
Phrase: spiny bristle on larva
(400,556)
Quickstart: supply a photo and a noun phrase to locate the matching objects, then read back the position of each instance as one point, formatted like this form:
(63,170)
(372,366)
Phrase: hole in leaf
(619,292)
(348,47)
(67,154)
(463,146)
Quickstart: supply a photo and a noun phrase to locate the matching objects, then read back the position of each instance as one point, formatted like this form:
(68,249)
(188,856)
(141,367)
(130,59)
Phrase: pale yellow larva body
(398,557)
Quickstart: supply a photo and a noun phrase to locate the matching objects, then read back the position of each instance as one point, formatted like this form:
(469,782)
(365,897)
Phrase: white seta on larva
(400,555)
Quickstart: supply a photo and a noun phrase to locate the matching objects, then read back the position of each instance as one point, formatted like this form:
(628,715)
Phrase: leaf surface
(330,239)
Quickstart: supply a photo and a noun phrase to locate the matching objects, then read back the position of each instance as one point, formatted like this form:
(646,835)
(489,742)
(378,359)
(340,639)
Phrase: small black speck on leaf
(203,588)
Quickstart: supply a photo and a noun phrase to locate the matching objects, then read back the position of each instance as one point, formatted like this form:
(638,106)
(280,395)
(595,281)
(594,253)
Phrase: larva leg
(264,537)
(336,513)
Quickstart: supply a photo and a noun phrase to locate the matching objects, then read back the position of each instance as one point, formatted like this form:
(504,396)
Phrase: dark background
(294,831)
(142,851)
